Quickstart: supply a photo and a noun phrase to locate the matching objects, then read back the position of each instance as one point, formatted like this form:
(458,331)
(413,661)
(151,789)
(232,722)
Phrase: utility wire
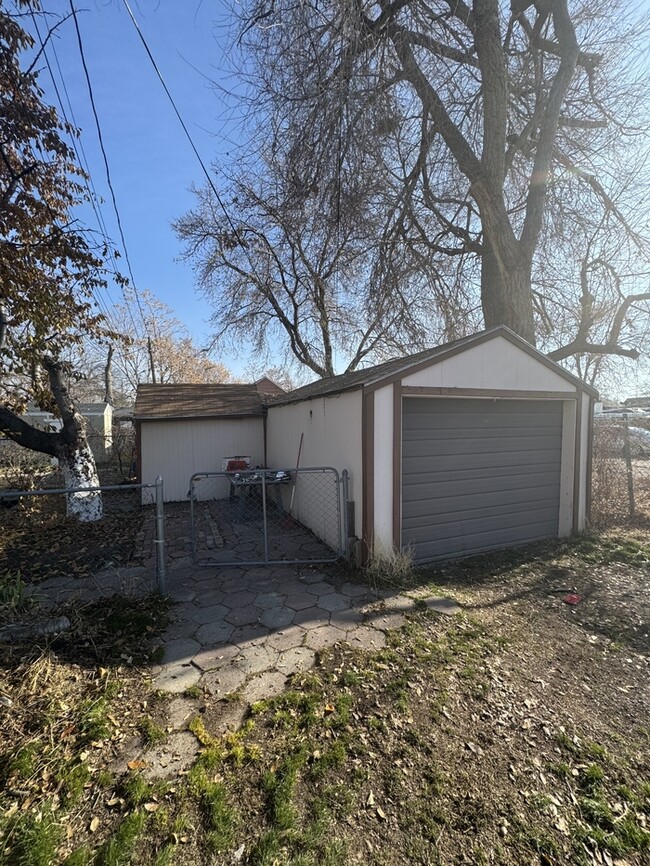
(105,157)
(92,194)
(187,134)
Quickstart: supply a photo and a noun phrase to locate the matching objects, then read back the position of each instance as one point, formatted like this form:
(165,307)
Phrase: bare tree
(155,346)
(434,157)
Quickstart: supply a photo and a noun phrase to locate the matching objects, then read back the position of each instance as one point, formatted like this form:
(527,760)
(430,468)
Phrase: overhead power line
(105,158)
(186,131)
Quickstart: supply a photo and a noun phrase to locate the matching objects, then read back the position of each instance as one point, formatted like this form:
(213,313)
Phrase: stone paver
(224,680)
(334,601)
(324,637)
(172,757)
(180,711)
(269,600)
(177,678)
(277,617)
(300,658)
(244,615)
(209,659)
(210,613)
(214,632)
(292,636)
(263,686)
(366,638)
(254,659)
(387,621)
(180,651)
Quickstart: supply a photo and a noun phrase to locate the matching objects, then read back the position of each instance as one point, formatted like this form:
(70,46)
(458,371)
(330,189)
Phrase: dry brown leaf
(94,824)
(136,765)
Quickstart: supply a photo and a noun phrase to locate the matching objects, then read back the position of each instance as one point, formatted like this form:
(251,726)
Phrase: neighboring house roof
(389,369)
(197,401)
(268,386)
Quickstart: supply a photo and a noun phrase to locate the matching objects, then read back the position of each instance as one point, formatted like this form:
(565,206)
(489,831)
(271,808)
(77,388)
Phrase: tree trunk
(506,296)
(69,445)
(78,468)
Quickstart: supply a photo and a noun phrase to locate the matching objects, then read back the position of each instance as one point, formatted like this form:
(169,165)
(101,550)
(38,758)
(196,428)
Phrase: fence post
(628,466)
(264,521)
(160,538)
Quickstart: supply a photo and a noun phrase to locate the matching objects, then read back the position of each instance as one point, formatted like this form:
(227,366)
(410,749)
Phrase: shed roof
(169,402)
(389,369)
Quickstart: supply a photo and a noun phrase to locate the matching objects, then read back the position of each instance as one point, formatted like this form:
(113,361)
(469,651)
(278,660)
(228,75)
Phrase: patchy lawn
(515,733)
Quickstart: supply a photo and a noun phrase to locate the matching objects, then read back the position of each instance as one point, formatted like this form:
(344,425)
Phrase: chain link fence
(40,542)
(620,483)
(262,516)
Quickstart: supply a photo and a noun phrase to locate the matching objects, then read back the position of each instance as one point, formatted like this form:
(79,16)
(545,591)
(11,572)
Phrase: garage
(186,428)
(475,445)
(479,473)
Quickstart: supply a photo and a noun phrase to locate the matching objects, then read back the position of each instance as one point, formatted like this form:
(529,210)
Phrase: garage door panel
(441,505)
(451,527)
(479,474)
(500,462)
(470,483)
(479,543)
(496,445)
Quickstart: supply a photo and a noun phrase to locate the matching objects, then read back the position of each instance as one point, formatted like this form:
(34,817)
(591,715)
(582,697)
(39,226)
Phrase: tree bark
(69,445)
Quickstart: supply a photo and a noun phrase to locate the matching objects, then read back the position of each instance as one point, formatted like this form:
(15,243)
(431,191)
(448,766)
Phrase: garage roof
(406,364)
(168,402)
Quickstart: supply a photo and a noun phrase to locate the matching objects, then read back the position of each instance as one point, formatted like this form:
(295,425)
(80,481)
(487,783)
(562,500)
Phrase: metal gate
(263,516)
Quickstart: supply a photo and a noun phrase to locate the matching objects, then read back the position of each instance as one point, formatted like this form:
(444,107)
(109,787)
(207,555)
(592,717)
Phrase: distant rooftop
(199,401)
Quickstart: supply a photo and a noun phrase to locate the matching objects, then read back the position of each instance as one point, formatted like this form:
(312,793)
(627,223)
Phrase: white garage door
(479,474)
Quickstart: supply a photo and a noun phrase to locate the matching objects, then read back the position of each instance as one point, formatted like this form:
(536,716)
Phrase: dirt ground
(515,733)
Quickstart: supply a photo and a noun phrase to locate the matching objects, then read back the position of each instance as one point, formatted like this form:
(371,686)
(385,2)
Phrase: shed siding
(494,365)
(332,437)
(178,449)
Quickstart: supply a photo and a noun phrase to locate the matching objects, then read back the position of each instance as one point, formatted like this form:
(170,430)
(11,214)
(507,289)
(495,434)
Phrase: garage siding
(479,474)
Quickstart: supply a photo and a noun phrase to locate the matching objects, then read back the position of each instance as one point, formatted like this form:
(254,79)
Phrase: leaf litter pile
(515,733)
(38,539)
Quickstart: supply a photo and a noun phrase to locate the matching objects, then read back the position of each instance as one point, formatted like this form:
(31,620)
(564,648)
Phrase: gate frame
(341,481)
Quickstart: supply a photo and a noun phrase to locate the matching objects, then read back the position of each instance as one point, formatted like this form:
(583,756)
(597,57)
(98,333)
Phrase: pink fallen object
(572,598)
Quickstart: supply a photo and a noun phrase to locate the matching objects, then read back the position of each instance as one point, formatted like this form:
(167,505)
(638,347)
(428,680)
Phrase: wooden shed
(183,429)
(475,445)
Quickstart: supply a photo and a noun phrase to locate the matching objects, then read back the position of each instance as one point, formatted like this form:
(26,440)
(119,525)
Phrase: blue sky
(151,162)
